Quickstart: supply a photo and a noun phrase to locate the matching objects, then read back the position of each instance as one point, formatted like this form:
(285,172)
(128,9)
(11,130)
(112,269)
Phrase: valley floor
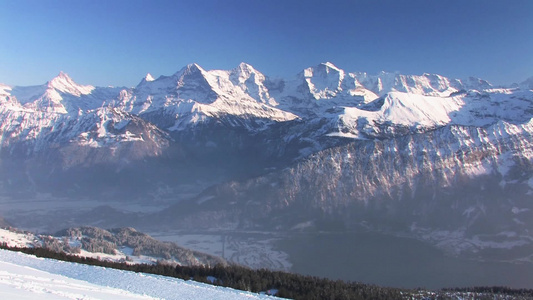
(371,258)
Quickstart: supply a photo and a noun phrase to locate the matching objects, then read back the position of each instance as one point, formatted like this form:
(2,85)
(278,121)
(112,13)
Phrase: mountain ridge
(320,107)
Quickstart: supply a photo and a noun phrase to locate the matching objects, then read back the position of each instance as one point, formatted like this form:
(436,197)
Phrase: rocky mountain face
(462,188)
(445,160)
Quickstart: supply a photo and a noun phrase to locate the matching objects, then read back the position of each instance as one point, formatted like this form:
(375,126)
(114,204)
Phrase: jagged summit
(149,77)
(329,65)
(243,71)
(345,100)
(322,69)
(64,84)
(252,82)
(245,66)
(63,75)
(191,69)
(61,79)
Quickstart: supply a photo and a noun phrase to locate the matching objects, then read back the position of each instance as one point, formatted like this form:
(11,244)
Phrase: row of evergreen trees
(286,285)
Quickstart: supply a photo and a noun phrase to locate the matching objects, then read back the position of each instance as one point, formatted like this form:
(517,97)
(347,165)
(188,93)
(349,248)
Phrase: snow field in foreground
(19,282)
(25,276)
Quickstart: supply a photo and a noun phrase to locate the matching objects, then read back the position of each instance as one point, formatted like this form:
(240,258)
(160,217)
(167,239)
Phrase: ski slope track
(24,276)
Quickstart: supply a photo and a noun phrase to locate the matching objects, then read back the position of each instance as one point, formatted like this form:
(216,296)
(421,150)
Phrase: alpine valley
(385,177)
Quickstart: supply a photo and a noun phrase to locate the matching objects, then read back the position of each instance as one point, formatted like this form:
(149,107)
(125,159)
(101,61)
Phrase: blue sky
(117,42)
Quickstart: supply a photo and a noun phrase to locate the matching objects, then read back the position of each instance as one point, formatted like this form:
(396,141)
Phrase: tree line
(283,284)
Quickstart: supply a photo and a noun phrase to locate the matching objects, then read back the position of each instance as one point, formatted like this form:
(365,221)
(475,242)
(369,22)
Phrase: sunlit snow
(24,276)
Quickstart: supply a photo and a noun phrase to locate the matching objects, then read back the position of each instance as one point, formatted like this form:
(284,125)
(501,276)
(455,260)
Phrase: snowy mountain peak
(188,70)
(323,81)
(60,79)
(64,84)
(323,70)
(330,66)
(244,70)
(149,77)
(56,81)
(251,82)
(63,75)
(193,68)
(245,66)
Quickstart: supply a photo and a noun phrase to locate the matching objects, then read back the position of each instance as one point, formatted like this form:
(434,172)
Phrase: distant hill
(118,245)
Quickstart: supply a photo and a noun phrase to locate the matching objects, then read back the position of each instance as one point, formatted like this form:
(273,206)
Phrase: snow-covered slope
(22,282)
(359,105)
(12,238)
(412,113)
(334,103)
(62,95)
(24,276)
(119,245)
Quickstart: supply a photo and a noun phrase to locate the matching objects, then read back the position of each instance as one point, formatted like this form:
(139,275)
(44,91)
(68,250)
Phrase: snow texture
(25,276)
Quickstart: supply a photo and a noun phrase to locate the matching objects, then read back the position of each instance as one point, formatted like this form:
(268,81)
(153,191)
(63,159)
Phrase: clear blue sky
(117,42)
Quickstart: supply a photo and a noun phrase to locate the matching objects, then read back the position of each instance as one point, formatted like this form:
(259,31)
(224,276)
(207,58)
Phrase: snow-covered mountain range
(445,160)
(328,100)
